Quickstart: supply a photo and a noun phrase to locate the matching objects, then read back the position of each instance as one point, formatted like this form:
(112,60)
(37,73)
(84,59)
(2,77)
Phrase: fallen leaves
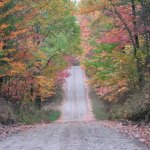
(6,131)
(140,132)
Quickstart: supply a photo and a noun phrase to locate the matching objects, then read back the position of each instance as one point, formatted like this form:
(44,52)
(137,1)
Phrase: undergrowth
(99,108)
(32,115)
(135,107)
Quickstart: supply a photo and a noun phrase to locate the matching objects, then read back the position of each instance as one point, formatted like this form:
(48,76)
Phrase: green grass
(98,107)
(53,116)
(29,114)
(32,115)
(135,107)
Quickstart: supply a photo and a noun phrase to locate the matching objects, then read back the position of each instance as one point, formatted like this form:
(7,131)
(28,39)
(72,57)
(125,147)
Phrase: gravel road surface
(70,136)
(75,106)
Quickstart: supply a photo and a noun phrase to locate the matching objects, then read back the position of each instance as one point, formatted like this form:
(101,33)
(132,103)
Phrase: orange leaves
(6,59)
(3,26)
(88,7)
(87,10)
(14,34)
(85,34)
(41,55)
(45,86)
(17,68)
(2,3)
(1,45)
(11,11)
(28,44)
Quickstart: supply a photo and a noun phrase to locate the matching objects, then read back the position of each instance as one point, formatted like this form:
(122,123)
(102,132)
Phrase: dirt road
(76,130)
(70,136)
(75,107)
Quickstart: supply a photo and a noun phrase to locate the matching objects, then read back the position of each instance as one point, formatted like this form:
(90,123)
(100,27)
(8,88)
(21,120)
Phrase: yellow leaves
(3,26)
(87,10)
(93,6)
(104,54)
(41,55)
(11,11)
(54,10)
(113,71)
(141,56)
(128,49)
(6,59)
(17,68)
(27,60)
(100,69)
(1,45)
(3,3)
(45,86)
(115,93)
(16,33)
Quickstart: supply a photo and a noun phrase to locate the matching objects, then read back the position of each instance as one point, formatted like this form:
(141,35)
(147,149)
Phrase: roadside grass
(55,101)
(99,109)
(134,106)
(27,113)
(32,115)
(49,112)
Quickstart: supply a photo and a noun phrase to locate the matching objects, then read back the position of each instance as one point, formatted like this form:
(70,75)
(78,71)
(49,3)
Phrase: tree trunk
(145,17)
(140,67)
(1,84)
(38,102)
(134,40)
(136,37)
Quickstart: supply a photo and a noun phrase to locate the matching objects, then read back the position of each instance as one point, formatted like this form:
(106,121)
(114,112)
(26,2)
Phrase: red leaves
(62,75)
(133,131)
(6,131)
(85,34)
(115,36)
(103,90)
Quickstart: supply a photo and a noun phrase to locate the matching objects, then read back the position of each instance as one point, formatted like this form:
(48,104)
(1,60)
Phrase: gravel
(71,136)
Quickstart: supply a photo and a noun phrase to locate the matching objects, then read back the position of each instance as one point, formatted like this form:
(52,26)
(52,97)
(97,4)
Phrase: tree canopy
(36,37)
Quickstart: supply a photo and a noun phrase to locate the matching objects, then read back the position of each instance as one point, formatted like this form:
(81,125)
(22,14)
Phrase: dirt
(76,130)
(71,136)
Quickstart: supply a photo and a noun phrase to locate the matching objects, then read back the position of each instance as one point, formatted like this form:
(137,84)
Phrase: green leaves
(36,39)
(63,37)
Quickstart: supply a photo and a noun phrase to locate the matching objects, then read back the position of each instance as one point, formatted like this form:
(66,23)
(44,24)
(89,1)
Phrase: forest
(116,55)
(39,40)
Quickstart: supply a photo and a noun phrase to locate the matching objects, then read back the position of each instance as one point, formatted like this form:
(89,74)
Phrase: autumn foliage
(116,45)
(35,38)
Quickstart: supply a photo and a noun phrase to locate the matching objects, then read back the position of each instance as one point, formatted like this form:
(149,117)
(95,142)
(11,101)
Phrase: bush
(135,107)
(7,115)
(31,115)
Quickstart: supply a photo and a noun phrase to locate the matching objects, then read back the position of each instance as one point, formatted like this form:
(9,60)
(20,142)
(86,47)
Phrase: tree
(116,23)
(36,37)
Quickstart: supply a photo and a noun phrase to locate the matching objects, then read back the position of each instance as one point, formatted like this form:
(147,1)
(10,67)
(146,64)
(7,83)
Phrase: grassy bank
(27,113)
(32,115)
(135,106)
(99,108)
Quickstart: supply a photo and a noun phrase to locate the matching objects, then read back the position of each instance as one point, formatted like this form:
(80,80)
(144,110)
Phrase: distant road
(75,107)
